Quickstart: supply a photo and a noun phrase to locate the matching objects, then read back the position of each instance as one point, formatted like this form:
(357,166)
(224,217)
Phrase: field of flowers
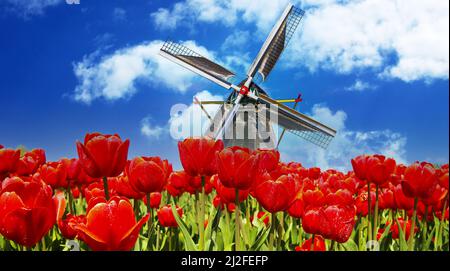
(224,199)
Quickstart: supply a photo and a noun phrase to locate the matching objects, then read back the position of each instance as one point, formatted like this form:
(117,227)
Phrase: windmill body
(247,116)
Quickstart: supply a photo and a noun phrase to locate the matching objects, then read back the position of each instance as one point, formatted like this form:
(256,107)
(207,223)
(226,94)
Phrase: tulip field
(223,199)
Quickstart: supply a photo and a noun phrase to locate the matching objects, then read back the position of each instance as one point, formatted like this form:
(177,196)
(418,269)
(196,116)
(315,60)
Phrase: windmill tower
(245,118)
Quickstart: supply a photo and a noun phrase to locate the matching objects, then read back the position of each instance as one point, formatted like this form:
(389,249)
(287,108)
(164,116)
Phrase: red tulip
(228,195)
(85,179)
(340,197)
(166,217)
(198,155)
(27,210)
(73,168)
(8,161)
(148,174)
(419,181)
(359,165)
(54,174)
(179,179)
(395,230)
(75,192)
(103,155)
(437,198)
(348,183)
(67,225)
(268,159)
(443,176)
(237,167)
(97,190)
(30,162)
(333,222)
(319,245)
(123,187)
(155,200)
(296,209)
(401,201)
(387,199)
(314,173)
(217,201)
(314,197)
(195,185)
(361,202)
(379,169)
(111,225)
(276,195)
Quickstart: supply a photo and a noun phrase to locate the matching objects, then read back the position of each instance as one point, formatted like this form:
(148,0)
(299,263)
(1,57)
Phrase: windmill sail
(299,124)
(195,62)
(276,42)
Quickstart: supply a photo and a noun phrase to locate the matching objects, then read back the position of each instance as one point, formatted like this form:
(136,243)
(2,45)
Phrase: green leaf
(430,238)
(350,245)
(212,227)
(402,238)
(260,239)
(189,243)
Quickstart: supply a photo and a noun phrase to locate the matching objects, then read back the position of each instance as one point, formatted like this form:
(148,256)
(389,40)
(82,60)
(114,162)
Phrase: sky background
(375,70)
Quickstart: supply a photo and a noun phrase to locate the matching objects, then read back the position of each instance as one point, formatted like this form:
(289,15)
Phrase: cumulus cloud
(359,86)
(404,39)
(119,14)
(237,40)
(27,8)
(345,146)
(401,39)
(115,76)
(150,130)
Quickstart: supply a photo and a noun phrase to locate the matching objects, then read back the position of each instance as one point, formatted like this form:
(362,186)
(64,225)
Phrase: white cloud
(116,75)
(228,12)
(151,131)
(366,34)
(119,14)
(27,8)
(359,86)
(342,35)
(237,40)
(190,120)
(346,145)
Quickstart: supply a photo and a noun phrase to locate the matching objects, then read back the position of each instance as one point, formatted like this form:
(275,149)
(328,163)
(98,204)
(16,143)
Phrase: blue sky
(377,71)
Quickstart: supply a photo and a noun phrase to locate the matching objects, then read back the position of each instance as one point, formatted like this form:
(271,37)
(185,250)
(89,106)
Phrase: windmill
(248,98)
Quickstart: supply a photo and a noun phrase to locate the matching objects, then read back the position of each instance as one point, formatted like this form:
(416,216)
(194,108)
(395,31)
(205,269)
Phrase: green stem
(150,221)
(424,228)
(237,222)
(136,207)
(300,231)
(280,232)
(332,245)
(375,218)
(441,226)
(312,242)
(69,192)
(158,236)
(413,226)
(202,216)
(170,239)
(272,230)
(105,187)
(369,213)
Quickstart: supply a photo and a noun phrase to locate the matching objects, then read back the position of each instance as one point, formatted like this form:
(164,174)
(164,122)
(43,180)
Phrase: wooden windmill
(246,117)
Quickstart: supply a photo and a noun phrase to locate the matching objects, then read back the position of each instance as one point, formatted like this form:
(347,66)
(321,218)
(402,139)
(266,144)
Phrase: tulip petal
(129,239)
